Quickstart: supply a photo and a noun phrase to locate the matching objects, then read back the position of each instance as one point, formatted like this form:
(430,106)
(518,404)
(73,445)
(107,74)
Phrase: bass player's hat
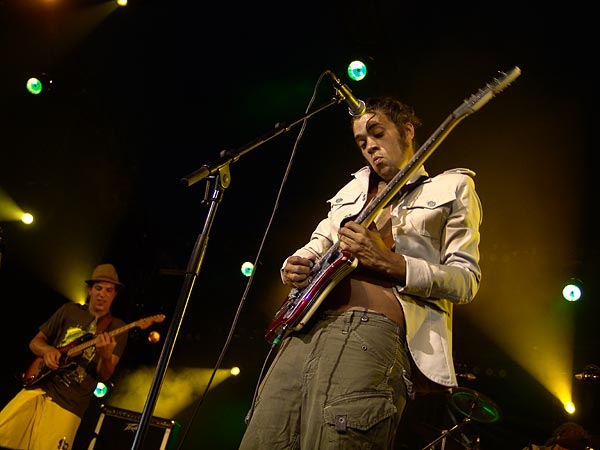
(105,272)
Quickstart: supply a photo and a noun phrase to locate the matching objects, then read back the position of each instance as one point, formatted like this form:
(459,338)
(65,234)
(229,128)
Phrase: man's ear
(410,130)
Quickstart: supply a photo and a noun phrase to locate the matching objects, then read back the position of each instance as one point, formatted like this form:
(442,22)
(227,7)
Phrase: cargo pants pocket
(363,420)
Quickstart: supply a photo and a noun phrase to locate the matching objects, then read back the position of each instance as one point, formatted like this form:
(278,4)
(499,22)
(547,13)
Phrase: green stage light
(572,291)
(357,70)
(34,86)
(247,268)
(101,390)
(38,84)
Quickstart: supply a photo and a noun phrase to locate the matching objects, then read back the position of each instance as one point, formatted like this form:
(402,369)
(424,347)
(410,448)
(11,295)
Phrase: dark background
(144,95)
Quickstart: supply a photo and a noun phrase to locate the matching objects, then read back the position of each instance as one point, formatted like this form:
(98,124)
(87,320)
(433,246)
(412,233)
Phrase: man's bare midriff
(364,290)
(359,292)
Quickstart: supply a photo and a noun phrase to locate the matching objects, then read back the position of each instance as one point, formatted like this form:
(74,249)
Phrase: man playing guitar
(47,412)
(343,380)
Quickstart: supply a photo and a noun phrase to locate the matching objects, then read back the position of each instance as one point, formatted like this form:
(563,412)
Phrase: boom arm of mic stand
(222,181)
(230,156)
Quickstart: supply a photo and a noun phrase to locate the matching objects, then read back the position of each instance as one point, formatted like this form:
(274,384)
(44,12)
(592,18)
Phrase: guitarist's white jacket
(436,229)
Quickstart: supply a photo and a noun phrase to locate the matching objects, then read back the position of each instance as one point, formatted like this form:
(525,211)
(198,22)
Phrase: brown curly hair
(398,112)
(570,435)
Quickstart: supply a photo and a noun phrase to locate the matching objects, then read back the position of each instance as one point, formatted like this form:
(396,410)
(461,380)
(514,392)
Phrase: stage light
(572,290)
(235,371)
(27,218)
(247,268)
(357,70)
(101,390)
(153,337)
(570,407)
(34,86)
(37,84)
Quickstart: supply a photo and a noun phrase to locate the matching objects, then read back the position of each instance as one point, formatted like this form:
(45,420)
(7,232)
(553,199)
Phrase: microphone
(356,107)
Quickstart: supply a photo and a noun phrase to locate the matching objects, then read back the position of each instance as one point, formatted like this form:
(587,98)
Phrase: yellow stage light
(27,218)
(570,407)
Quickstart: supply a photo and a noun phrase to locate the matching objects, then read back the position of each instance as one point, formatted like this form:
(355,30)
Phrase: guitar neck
(369,213)
(75,350)
(468,107)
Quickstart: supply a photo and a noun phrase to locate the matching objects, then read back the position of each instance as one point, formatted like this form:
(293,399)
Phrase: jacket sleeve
(449,269)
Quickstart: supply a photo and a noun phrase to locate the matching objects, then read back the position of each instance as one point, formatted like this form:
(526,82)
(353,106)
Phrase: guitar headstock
(484,95)
(147,321)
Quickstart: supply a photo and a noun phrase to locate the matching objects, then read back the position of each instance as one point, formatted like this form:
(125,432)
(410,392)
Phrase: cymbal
(474,405)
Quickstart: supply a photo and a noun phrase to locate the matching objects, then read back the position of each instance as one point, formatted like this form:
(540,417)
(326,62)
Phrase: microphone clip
(356,107)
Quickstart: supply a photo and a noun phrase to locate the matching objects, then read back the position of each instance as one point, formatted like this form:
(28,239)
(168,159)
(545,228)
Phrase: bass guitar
(38,370)
(335,264)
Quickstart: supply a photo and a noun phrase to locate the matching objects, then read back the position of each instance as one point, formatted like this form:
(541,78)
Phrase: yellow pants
(32,421)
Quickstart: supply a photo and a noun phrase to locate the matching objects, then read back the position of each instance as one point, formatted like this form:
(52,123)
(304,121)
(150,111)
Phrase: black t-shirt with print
(72,386)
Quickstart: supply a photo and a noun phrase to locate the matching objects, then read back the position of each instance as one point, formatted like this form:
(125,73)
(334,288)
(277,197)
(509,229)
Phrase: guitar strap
(382,221)
(404,190)
(104,323)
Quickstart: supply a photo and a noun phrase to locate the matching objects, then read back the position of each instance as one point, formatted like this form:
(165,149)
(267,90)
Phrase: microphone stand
(218,172)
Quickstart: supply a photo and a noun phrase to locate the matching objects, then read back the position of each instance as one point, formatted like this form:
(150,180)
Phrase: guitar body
(38,370)
(300,305)
(334,265)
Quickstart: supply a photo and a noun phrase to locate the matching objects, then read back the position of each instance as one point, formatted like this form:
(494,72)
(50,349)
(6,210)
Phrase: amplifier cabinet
(116,430)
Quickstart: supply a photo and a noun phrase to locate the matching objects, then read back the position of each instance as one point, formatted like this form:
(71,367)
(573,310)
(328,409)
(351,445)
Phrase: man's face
(381,144)
(102,294)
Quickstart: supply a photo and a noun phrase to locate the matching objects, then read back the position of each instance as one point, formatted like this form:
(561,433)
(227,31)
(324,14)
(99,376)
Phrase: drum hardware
(474,406)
